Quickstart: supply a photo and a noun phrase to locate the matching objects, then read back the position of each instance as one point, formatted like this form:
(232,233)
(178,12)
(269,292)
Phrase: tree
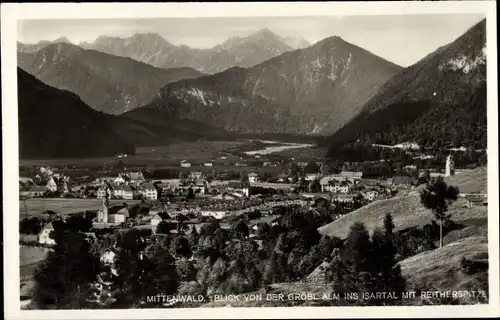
(190,193)
(31,225)
(164,227)
(142,273)
(263,229)
(160,275)
(311,167)
(180,247)
(193,237)
(352,272)
(438,196)
(314,186)
(239,230)
(387,272)
(243,177)
(388,224)
(62,279)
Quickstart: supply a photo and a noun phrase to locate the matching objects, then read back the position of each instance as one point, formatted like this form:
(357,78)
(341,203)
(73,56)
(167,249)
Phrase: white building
(370,195)
(119,179)
(185,164)
(195,175)
(312,176)
(118,193)
(253,177)
(217,214)
(127,193)
(51,185)
(148,190)
(352,175)
(44,236)
(336,187)
(101,193)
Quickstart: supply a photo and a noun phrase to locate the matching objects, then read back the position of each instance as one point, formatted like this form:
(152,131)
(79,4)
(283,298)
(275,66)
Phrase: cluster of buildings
(41,185)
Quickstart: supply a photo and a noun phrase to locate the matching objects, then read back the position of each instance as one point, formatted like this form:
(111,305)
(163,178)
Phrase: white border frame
(11,12)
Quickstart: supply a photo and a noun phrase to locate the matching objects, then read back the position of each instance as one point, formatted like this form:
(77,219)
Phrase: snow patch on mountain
(198,94)
(467,64)
(317,63)
(317,128)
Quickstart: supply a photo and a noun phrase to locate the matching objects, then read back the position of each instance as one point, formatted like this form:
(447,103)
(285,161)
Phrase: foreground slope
(438,102)
(55,123)
(439,269)
(105,82)
(314,90)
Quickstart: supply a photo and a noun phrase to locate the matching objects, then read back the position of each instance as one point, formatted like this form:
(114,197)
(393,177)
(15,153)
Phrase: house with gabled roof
(43,236)
(476,200)
(148,190)
(157,218)
(51,185)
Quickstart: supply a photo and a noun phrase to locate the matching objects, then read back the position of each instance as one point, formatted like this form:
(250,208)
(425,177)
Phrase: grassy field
(158,155)
(304,154)
(407,210)
(30,258)
(440,269)
(473,181)
(36,206)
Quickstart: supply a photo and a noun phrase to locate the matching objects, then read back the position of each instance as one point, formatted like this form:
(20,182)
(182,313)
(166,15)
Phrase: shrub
(473,266)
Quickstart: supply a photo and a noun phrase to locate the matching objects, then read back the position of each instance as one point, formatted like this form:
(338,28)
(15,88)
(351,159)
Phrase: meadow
(168,155)
(36,206)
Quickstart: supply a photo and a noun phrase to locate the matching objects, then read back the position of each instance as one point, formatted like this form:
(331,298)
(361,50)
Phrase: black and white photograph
(206,157)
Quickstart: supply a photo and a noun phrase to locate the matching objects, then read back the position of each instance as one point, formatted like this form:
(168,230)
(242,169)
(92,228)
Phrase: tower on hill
(450,166)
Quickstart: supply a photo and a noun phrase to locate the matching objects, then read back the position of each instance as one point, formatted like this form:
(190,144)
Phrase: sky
(402,39)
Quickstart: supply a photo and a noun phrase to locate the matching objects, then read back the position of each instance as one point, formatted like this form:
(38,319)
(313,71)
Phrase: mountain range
(315,90)
(438,102)
(107,83)
(330,87)
(153,49)
(32,48)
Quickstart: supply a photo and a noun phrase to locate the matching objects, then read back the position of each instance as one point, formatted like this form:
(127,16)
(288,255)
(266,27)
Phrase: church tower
(103,212)
(450,166)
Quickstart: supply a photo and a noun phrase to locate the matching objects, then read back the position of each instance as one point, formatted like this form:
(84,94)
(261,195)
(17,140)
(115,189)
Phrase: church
(113,215)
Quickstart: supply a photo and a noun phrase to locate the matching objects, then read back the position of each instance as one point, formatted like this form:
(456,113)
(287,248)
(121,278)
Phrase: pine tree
(387,273)
(438,196)
(62,279)
(388,224)
(352,271)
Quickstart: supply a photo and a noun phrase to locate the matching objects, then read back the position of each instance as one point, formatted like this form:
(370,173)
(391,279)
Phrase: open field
(157,155)
(470,181)
(439,269)
(304,154)
(169,156)
(29,255)
(36,206)
(30,258)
